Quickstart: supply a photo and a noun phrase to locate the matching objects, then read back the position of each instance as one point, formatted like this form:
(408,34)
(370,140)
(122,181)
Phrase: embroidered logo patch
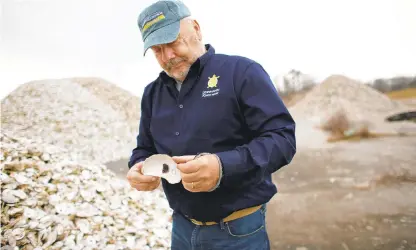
(212,83)
(149,21)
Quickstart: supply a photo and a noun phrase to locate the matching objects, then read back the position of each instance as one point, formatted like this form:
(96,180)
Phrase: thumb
(181,166)
(138,166)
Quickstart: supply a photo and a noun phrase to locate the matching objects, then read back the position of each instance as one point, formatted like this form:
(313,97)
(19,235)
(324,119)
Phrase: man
(221,120)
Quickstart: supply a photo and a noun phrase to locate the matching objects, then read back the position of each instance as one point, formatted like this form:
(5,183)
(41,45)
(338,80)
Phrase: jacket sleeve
(272,129)
(144,141)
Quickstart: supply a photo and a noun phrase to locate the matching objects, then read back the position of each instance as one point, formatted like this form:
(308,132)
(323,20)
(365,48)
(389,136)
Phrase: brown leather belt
(235,215)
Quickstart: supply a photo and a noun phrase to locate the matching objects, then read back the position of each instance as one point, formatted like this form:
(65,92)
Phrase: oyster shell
(52,203)
(9,197)
(163,166)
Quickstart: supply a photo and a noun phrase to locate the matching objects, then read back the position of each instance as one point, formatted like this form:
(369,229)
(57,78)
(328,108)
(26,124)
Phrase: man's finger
(183,158)
(193,186)
(189,167)
(133,182)
(192,177)
(144,187)
(147,178)
(135,176)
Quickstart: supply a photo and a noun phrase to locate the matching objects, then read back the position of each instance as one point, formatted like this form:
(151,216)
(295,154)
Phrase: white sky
(363,39)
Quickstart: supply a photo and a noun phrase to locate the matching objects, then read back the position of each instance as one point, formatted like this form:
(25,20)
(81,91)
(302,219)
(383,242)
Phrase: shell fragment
(163,166)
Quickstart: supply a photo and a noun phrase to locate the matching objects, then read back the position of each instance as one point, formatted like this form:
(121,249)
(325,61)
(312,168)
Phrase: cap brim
(166,34)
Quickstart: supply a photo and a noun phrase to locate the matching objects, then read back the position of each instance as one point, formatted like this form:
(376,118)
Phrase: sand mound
(339,93)
(93,120)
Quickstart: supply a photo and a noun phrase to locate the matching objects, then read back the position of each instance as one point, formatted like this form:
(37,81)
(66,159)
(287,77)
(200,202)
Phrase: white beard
(183,75)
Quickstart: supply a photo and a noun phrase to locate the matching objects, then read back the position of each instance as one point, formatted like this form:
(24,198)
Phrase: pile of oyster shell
(337,93)
(50,203)
(84,121)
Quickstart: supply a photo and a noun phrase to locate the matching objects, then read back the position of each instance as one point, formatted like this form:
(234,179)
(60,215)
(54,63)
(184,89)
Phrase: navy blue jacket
(240,117)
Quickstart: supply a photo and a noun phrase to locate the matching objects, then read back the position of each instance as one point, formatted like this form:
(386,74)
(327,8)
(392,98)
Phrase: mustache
(172,62)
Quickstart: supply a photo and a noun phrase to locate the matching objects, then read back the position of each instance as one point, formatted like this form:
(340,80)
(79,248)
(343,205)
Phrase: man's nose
(167,54)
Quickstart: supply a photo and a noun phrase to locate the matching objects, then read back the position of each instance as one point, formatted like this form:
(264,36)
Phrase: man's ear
(197,29)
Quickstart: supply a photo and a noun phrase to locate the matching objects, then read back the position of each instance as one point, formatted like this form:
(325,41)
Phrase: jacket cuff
(230,162)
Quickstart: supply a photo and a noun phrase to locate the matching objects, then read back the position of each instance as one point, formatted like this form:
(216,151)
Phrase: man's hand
(200,174)
(142,182)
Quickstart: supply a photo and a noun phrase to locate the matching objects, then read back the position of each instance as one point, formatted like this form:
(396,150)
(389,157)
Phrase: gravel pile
(51,203)
(338,93)
(93,120)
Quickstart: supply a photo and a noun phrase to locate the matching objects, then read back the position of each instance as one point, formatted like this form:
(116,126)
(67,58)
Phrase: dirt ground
(348,195)
(354,195)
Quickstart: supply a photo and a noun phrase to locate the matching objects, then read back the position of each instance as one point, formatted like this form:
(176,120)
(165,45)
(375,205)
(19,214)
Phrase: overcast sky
(42,39)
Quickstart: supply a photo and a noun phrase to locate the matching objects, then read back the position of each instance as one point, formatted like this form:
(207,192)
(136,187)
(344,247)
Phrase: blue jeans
(246,233)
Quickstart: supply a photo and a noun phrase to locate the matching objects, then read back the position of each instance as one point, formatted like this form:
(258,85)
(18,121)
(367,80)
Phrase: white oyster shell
(163,166)
(62,204)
